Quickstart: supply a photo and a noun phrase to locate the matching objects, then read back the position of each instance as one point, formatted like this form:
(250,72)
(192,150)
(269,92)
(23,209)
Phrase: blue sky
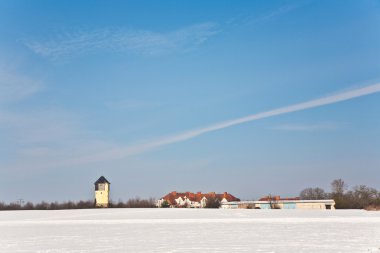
(90,88)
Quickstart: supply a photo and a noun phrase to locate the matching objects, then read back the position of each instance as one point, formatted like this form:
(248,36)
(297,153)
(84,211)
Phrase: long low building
(278,203)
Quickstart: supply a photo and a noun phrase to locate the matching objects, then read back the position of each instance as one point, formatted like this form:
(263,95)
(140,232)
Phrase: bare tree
(338,189)
(273,202)
(363,196)
(313,194)
(338,186)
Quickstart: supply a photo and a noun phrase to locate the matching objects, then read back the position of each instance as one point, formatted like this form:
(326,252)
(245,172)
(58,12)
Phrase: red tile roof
(196,197)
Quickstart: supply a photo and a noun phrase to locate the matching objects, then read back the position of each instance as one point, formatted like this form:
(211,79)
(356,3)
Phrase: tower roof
(102,180)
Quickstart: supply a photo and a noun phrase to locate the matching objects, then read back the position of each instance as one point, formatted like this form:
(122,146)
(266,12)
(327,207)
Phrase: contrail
(136,149)
(121,152)
(283,110)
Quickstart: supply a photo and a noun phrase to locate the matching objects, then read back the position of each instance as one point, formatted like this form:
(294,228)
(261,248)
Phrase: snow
(190,230)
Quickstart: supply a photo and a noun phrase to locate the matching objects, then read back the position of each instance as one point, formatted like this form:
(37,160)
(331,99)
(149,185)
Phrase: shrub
(212,203)
(165,204)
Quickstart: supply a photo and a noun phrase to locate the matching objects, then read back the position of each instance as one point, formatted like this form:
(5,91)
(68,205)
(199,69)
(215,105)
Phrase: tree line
(131,203)
(358,197)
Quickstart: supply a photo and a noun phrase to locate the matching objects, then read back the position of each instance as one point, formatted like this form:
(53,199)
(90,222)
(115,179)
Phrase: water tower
(102,192)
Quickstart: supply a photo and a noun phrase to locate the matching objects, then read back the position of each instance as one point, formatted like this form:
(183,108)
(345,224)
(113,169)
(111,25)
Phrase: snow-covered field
(189,230)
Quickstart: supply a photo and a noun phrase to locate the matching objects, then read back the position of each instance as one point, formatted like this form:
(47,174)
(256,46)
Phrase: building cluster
(225,200)
(194,200)
(228,201)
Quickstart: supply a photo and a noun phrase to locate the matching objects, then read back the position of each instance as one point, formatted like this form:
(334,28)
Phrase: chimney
(174,193)
(225,195)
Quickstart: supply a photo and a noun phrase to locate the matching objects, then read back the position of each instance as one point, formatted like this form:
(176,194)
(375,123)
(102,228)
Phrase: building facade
(281,203)
(102,192)
(193,200)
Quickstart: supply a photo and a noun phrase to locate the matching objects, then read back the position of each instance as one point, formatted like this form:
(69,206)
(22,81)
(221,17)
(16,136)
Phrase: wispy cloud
(15,86)
(123,40)
(40,137)
(274,13)
(32,133)
(306,127)
(131,104)
(279,11)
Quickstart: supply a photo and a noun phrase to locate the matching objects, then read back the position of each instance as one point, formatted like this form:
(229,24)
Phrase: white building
(193,200)
(328,204)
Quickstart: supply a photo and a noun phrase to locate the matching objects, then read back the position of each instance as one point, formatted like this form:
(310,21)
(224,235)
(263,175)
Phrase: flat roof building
(281,203)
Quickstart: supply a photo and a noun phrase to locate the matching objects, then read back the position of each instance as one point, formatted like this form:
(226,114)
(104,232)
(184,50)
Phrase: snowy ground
(189,230)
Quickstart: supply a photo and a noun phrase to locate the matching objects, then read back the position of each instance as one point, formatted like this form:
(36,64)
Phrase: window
(101,187)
